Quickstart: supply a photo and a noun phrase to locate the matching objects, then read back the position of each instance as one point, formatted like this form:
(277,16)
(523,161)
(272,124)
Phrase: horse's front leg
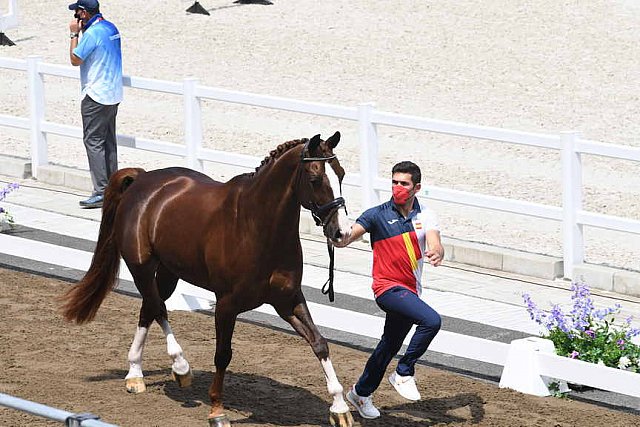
(300,319)
(225,323)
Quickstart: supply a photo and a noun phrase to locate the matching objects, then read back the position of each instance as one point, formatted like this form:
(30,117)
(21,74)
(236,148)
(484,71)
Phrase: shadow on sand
(270,402)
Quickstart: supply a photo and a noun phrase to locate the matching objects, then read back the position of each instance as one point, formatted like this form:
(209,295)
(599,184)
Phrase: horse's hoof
(344,419)
(135,385)
(183,380)
(219,421)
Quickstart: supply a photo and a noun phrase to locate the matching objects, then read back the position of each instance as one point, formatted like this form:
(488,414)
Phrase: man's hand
(75,25)
(354,233)
(435,256)
(342,243)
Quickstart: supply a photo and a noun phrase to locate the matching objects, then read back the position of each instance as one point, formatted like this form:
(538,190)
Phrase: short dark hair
(410,168)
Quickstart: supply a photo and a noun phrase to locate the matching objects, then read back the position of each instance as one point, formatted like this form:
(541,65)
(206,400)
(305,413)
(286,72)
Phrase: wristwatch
(73,35)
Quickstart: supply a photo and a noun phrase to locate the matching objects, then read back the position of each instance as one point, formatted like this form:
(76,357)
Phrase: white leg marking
(335,388)
(135,353)
(180,365)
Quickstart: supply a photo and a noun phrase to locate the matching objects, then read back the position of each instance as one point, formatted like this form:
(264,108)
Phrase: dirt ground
(273,379)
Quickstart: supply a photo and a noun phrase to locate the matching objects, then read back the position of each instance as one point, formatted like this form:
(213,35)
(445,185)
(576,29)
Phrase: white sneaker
(364,405)
(405,386)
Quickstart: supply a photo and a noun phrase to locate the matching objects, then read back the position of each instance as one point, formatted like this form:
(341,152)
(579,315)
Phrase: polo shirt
(398,244)
(101,68)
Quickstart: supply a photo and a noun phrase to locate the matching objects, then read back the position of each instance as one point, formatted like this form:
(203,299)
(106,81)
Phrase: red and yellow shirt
(398,245)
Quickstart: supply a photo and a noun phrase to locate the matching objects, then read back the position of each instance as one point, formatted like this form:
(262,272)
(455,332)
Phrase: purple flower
(574,354)
(601,314)
(8,189)
(590,333)
(559,319)
(632,333)
(3,193)
(536,314)
(582,306)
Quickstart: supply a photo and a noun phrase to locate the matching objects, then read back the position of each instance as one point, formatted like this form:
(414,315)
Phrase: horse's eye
(316,181)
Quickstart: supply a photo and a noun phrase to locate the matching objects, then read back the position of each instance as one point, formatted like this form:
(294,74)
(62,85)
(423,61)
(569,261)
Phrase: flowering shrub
(589,334)
(5,216)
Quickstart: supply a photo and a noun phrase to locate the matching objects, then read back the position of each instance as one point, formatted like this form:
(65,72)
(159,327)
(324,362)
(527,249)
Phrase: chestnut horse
(239,239)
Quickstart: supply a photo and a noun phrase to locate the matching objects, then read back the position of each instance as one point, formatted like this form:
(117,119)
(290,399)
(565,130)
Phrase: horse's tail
(81,303)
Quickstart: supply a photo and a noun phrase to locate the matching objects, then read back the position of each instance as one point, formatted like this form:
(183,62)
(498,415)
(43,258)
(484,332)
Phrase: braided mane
(277,153)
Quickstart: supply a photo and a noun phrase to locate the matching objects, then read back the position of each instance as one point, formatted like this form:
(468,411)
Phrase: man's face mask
(400,195)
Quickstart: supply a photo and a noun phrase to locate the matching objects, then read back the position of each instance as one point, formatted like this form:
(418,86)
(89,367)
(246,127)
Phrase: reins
(327,288)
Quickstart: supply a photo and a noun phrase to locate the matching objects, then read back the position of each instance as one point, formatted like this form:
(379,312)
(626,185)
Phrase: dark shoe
(94,201)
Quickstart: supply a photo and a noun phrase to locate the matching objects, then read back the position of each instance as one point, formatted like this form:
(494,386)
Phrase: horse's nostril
(337,235)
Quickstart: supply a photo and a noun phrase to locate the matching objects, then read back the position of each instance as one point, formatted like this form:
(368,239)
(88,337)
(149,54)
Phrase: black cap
(85,5)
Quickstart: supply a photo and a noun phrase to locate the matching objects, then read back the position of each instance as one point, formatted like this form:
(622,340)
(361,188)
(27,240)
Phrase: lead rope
(327,288)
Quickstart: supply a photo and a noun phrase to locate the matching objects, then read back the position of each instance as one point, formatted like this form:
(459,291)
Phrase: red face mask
(400,195)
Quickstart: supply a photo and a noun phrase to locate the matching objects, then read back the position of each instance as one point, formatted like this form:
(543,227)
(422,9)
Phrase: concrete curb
(463,252)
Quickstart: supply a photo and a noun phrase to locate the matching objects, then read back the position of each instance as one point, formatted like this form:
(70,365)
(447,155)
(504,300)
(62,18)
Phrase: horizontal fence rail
(589,374)
(571,214)
(40,410)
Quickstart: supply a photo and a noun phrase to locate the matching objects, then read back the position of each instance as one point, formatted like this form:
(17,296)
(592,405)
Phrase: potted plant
(6,219)
(587,333)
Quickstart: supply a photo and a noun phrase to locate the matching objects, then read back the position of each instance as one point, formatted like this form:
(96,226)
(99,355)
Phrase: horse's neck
(273,193)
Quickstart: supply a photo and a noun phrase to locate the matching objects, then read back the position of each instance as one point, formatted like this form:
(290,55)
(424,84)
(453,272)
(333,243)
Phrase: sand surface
(276,383)
(543,66)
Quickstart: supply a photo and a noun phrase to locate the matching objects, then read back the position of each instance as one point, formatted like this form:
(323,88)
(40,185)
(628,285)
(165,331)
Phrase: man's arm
(435,251)
(357,231)
(74,27)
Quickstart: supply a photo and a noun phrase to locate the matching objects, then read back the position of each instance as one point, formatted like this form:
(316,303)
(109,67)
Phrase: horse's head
(321,186)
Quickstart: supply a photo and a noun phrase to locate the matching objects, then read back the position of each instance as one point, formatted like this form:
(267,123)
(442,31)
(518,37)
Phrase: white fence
(571,214)
(10,19)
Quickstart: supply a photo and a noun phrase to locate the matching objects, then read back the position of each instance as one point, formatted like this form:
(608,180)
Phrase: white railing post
(573,237)
(36,115)
(368,138)
(192,124)
(9,19)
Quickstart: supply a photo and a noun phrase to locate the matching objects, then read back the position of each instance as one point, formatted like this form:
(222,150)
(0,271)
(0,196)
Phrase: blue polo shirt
(398,244)
(101,68)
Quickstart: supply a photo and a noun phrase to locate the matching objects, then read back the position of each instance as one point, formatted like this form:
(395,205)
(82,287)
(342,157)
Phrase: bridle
(322,215)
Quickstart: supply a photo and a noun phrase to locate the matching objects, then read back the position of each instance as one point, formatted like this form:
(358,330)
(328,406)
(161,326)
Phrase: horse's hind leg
(154,291)
(134,381)
(166,284)
(300,319)
(143,278)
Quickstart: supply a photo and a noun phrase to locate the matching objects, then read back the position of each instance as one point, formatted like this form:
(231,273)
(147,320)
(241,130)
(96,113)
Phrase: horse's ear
(314,143)
(333,140)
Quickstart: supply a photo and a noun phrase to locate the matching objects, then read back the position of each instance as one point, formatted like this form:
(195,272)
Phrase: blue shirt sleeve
(87,44)
(368,220)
